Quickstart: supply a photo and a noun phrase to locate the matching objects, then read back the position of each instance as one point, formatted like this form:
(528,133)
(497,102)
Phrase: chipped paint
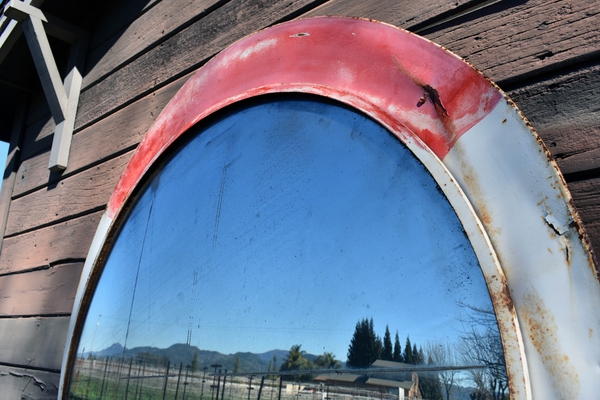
(49,389)
(367,73)
(490,163)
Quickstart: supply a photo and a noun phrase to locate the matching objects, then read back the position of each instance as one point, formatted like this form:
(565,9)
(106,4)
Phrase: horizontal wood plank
(114,134)
(183,52)
(515,39)
(586,194)
(47,246)
(75,195)
(592,230)
(586,197)
(38,137)
(40,293)
(566,113)
(152,26)
(33,342)
(25,384)
(404,14)
(114,20)
(38,108)
(575,164)
(10,170)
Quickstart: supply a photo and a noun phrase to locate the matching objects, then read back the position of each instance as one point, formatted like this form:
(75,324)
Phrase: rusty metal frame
(491,165)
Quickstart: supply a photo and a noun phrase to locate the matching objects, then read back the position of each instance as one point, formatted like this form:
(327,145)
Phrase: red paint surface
(374,67)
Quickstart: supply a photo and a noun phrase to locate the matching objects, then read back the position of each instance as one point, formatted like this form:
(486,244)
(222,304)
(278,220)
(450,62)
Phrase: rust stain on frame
(540,324)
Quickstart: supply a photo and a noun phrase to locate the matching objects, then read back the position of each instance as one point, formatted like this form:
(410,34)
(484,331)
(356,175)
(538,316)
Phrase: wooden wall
(544,53)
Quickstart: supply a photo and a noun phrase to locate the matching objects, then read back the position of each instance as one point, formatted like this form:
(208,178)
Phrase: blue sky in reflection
(286,223)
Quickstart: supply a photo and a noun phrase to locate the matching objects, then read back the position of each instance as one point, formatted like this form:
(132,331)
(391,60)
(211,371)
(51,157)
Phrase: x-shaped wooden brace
(63,97)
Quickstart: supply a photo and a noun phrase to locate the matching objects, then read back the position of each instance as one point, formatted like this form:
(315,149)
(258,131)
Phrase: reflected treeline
(187,354)
(472,368)
(120,378)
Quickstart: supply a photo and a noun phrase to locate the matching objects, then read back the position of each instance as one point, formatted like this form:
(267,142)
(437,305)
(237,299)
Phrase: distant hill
(268,355)
(183,353)
(111,351)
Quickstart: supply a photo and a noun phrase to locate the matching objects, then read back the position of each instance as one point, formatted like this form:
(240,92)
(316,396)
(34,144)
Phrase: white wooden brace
(62,96)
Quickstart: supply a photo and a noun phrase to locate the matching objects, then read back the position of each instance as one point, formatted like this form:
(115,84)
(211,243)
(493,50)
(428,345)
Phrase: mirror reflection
(293,248)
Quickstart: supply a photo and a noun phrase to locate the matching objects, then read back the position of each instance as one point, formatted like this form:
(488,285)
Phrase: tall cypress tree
(408,356)
(415,354)
(365,346)
(397,349)
(376,346)
(359,346)
(388,352)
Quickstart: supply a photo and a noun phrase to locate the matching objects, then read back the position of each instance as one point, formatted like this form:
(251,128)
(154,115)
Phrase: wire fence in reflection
(132,379)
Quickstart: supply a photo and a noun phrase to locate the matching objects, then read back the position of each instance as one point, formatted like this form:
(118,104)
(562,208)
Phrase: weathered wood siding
(545,54)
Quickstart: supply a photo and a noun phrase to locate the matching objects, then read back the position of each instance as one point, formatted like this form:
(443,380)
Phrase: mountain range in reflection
(184,353)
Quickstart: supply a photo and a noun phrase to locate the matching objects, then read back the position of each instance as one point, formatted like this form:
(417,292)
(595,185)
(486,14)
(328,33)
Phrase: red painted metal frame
(491,165)
(392,75)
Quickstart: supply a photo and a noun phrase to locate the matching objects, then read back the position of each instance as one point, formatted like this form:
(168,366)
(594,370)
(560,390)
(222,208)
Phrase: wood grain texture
(33,342)
(10,173)
(404,14)
(38,136)
(110,23)
(40,293)
(566,113)
(159,22)
(75,195)
(586,196)
(20,383)
(184,52)
(38,107)
(515,39)
(118,132)
(44,247)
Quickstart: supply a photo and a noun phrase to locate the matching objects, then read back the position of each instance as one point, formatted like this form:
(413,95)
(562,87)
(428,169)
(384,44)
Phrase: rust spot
(591,332)
(540,326)
(567,255)
(431,93)
(502,301)
(504,121)
(506,297)
(485,216)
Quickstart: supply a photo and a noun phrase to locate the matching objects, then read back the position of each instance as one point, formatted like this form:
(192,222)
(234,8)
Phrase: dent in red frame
(418,90)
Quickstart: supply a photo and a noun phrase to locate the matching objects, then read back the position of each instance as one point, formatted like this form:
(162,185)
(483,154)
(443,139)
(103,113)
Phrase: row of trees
(366,347)
(479,344)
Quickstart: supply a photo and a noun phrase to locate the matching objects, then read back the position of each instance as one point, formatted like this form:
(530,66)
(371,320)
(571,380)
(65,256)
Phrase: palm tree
(294,358)
(295,361)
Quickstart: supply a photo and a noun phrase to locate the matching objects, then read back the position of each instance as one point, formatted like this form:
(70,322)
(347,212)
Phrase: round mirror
(289,237)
